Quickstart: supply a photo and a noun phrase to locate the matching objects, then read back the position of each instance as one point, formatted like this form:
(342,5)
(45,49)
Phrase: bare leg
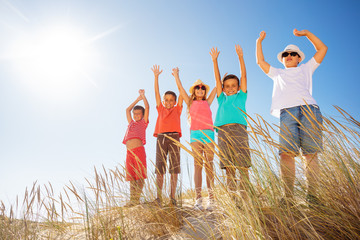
(244,183)
(197,149)
(159,185)
(312,170)
(244,180)
(132,191)
(230,178)
(138,190)
(287,171)
(209,168)
(173,183)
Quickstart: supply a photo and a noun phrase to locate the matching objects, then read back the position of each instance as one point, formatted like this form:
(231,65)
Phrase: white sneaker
(210,205)
(198,204)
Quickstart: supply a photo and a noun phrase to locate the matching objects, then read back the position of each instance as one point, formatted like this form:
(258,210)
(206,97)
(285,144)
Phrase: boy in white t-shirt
(300,117)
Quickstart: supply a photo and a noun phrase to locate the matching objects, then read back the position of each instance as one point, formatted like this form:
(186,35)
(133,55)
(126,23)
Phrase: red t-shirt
(168,120)
(136,130)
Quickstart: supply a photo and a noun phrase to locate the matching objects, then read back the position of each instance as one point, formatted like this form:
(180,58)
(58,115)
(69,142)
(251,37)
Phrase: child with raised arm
(135,139)
(231,124)
(300,116)
(201,135)
(167,128)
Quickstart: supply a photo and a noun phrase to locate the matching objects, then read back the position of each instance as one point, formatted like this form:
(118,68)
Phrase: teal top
(229,109)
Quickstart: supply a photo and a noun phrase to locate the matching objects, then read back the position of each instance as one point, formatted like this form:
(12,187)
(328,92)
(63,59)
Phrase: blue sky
(62,112)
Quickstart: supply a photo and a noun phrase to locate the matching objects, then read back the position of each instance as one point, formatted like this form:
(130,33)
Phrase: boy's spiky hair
(170,93)
(231,76)
(138,107)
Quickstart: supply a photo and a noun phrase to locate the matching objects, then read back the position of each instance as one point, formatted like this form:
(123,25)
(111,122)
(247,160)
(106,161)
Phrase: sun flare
(55,60)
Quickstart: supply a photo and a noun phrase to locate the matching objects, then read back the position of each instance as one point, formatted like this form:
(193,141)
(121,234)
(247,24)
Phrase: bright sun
(56,61)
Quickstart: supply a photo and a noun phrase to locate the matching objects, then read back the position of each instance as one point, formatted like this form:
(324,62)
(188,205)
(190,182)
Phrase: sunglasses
(200,86)
(293,54)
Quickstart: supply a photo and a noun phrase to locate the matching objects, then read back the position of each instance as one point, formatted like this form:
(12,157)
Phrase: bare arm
(180,101)
(243,79)
(129,108)
(320,47)
(260,60)
(214,55)
(183,93)
(211,97)
(157,72)
(146,104)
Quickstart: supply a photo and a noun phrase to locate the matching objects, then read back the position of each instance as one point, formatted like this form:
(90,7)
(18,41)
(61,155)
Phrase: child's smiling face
(199,92)
(169,101)
(231,86)
(138,115)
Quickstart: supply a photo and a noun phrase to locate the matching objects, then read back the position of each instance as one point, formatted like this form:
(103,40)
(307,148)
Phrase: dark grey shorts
(164,147)
(233,142)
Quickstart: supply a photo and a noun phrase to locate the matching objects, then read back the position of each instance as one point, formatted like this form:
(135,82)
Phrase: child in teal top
(229,109)
(231,124)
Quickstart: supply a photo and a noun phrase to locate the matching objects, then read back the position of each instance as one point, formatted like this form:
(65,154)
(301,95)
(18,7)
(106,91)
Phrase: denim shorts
(202,136)
(301,128)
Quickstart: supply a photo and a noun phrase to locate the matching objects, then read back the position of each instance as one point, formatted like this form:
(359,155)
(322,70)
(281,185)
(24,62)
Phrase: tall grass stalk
(96,211)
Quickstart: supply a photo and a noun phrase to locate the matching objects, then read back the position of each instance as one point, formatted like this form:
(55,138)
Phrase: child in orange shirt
(167,128)
(135,139)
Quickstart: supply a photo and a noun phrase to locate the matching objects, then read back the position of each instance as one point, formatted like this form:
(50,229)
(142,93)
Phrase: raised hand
(239,50)
(142,92)
(260,60)
(320,47)
(300,33)
(156,70)
(214,53)
(262,35)
(175,72)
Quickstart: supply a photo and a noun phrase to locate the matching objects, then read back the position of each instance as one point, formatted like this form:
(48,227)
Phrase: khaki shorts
(233,142)
(164,147)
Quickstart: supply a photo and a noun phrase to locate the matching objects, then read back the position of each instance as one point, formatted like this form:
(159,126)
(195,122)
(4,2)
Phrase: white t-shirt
(292,86)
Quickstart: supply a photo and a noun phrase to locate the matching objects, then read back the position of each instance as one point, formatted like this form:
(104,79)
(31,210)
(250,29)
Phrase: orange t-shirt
(168,120)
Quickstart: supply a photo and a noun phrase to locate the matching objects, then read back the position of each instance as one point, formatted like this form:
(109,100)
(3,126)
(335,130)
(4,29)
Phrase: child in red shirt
(135,140)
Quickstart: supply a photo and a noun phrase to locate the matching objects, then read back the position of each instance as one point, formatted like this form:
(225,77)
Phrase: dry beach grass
(96,212)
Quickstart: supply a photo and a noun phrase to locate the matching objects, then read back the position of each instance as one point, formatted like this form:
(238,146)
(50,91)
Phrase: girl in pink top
(135,140)
(201,135)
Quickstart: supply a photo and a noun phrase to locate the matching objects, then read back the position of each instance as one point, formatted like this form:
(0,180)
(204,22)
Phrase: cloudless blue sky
(55,127)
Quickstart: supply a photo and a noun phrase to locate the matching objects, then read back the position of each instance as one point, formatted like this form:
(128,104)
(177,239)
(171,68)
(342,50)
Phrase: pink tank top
(136,130)
(201,116)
